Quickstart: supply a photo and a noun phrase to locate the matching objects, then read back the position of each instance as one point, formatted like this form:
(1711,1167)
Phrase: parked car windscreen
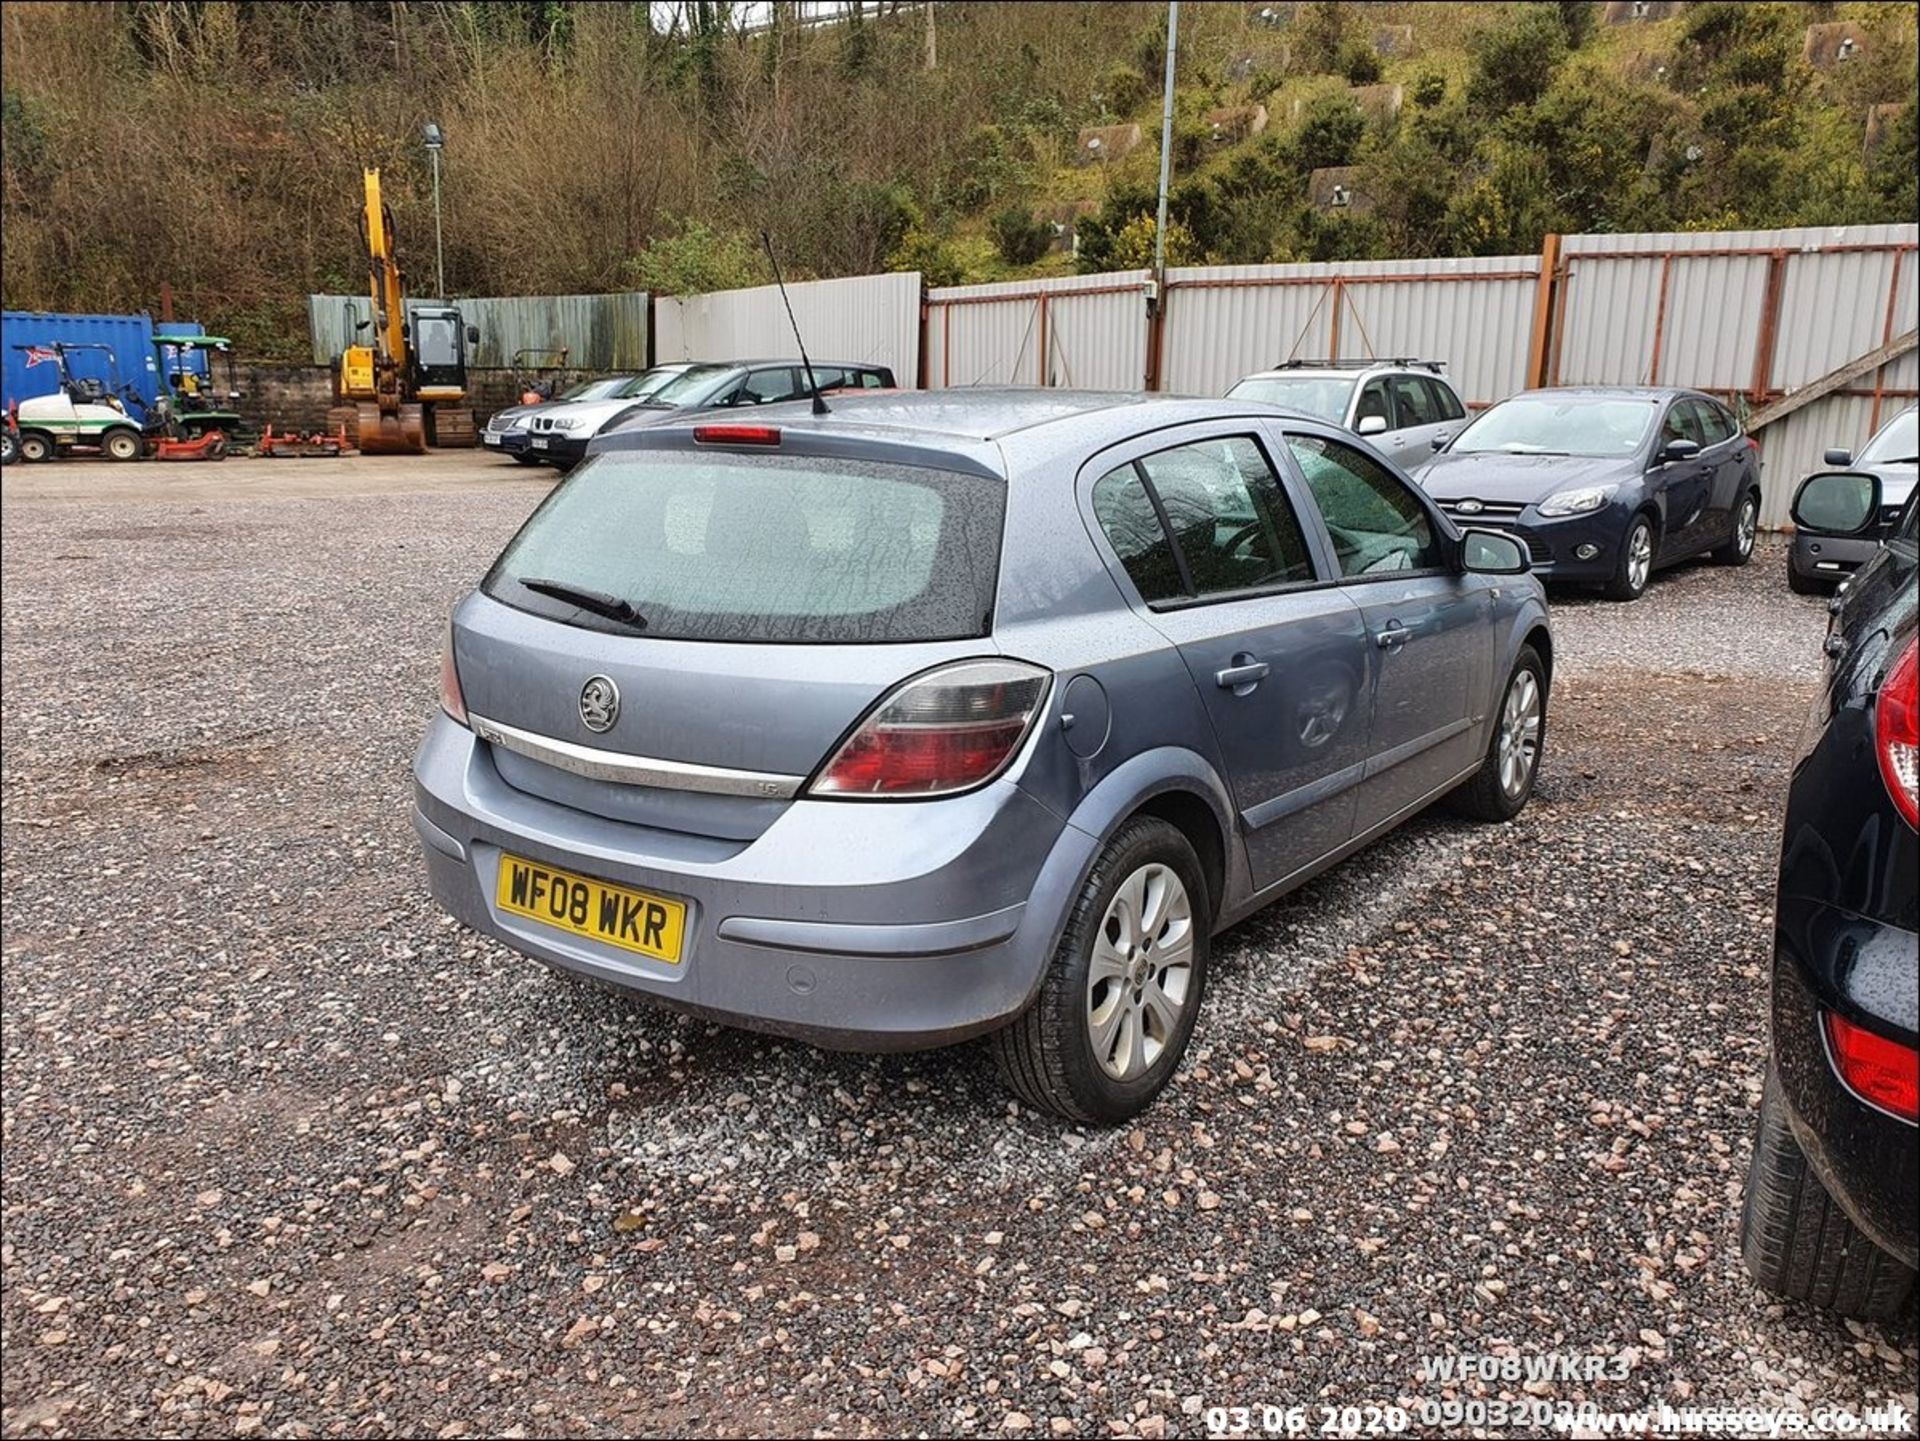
(1551,425)
(690,386)
(764,548)
(1898,442)
(1324,397)
(594,389)
(652,382)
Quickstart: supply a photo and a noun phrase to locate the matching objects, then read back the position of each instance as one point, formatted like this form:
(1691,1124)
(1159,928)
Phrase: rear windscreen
(762,548)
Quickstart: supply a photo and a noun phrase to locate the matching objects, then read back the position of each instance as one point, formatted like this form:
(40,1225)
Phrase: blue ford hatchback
(965,713)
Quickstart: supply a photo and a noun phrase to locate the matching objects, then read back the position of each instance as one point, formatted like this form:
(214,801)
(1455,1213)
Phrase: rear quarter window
(764,548)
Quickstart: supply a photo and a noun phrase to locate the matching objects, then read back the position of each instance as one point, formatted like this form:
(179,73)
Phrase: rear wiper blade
(613,607)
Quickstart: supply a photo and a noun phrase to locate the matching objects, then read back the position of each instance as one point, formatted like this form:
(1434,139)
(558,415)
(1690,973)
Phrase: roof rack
(1406,361)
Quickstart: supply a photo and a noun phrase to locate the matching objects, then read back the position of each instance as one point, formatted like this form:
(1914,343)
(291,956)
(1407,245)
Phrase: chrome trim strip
(630,770)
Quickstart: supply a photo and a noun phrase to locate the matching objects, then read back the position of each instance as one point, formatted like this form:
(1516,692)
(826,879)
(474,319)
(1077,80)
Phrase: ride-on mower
(85,413)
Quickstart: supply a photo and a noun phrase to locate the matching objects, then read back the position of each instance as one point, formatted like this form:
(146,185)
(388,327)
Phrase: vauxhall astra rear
(889,727)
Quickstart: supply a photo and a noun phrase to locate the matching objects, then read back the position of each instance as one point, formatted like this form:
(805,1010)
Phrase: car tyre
(1050,1057)
(9,447)
(1798,1242)
(35,446)
(1634,569)
(122,444)
(1805,584)
(1738,549)
(1500,789)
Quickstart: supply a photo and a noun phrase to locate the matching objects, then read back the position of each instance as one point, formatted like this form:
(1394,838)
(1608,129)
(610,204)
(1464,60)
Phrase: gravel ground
(286,1153)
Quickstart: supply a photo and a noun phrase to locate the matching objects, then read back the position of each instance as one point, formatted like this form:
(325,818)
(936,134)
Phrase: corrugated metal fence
(870,319)
(1750,316)
(1747,315)
(601,332)
(1087,332)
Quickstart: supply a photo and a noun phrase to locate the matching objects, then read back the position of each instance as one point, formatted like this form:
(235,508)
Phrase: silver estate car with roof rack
(964,713)
(1406,409)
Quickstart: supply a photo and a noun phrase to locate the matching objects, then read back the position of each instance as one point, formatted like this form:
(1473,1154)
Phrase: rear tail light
(1896,732)
(451,701)
(945,731)
(1880,1072)
(736,434)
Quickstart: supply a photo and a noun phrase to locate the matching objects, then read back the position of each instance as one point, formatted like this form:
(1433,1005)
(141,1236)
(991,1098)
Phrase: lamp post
(434,141)
(1166,145)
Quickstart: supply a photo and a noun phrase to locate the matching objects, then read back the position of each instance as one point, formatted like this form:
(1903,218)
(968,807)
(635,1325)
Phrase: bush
(1891,174)
(1359,62)
(695,259)
(1576,19)
(1516,58)
(1133,247)
(1330,134)
(1020,236)
(929,254)
(1429,89)
(1321,27)
(1123,89)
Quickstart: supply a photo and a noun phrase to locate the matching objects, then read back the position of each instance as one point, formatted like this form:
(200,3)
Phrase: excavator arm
(374,376)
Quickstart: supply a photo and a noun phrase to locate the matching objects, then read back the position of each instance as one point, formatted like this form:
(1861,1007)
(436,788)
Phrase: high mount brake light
(1896,732)
(948,730)
(736,435)
(451,700)
(1879,1071)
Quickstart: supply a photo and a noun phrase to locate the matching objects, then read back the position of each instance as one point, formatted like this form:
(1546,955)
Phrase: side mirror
(1371,425)
(1677,450)
(1440,443)
(1837,502)
(1493,552)
(1839,457)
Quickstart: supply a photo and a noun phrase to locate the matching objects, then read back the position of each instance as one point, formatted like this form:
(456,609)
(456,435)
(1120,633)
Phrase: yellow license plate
(618,915)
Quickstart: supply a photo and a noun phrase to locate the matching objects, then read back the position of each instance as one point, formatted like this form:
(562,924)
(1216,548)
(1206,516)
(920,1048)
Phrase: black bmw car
(1605,484)
(1834,1191)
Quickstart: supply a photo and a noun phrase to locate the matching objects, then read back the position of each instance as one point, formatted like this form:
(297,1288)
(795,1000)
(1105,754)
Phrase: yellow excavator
(409,387)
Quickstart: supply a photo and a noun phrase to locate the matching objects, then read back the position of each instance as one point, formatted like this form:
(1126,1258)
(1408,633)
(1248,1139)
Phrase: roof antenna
(819,403)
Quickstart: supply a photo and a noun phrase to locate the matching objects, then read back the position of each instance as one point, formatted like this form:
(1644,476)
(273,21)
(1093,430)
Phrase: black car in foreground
(1605,484)
(1834,1191)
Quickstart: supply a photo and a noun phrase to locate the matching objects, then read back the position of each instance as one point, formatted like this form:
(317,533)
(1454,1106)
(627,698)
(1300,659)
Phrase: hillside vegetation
(217,147)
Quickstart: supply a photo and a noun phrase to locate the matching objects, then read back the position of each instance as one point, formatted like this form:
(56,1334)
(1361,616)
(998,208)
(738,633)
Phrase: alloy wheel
(1745,526)
(1519,732)
(1141,977)
(1640,555)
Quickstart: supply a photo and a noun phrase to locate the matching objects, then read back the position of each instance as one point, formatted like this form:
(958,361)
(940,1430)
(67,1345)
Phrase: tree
(1019,235)
(1515,58)
(695,259)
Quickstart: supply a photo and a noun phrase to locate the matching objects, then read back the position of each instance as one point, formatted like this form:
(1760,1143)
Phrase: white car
(560,433)
(506,429)
(1405,408)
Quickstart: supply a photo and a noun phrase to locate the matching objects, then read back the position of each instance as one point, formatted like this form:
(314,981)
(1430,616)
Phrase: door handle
(1395,634)
(1242,677)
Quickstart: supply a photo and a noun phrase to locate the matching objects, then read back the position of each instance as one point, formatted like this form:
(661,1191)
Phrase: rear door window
(763,548)
(1412,402)
(1379,527)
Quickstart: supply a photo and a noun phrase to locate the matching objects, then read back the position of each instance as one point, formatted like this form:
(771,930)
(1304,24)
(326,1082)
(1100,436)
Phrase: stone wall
(296,397)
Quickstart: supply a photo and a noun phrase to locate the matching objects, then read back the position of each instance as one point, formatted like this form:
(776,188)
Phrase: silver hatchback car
(959,713)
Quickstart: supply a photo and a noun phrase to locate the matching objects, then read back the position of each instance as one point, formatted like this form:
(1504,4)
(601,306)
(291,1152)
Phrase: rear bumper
(1828,959)
(1830,558)
(856,926)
